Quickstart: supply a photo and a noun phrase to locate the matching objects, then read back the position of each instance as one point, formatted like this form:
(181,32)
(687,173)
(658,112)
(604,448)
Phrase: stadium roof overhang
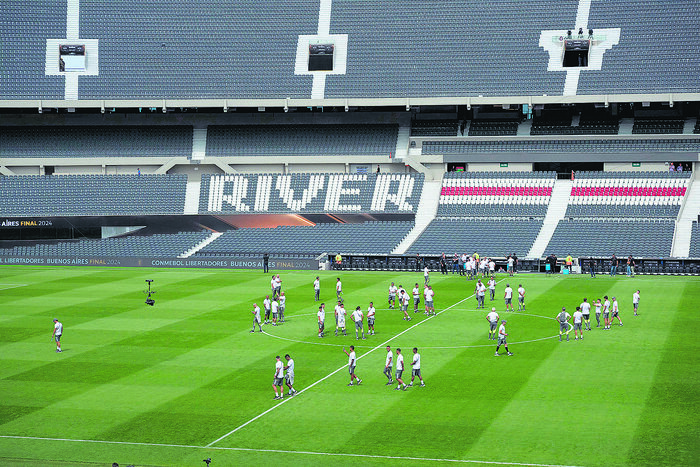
(349,102)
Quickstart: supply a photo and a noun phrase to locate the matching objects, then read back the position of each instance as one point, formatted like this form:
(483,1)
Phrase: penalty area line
(282,451)
(284,401)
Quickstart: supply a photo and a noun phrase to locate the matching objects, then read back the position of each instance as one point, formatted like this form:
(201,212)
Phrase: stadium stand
(364,238)
(301,140)
(95,141)
(155,246)
(627,194)
(434,127)
(653,54)
(310,193)
(24,28)
(695,241)
(496,194)
(696,129)
(653,126)
(178,49)
(592,237)
(488,236)
(493,128)
(563,146)
(588,125)
(92,195)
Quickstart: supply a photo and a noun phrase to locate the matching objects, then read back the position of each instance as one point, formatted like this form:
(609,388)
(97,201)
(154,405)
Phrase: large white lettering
(381,192)
(229,189)
(286,192)
(336,190)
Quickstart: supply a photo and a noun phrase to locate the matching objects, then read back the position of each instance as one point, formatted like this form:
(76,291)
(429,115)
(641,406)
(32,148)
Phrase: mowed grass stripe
(590,386)
(667,432)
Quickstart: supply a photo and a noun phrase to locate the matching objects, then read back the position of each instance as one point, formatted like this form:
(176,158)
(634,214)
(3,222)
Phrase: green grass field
(157,386)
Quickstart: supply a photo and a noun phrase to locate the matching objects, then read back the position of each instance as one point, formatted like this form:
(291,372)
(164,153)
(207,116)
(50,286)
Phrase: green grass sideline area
(158,385)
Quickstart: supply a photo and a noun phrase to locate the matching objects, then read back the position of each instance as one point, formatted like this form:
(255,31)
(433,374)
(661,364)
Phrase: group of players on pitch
(388,365)
(582,316)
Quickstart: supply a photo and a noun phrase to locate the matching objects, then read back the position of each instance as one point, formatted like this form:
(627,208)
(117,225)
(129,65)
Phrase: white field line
(280,451)
(11,286)
(284,401)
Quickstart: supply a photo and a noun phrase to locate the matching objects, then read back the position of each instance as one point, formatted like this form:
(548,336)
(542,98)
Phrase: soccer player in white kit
(635,301)
(392,296)
(586,311)
(338,288)
(615,312)
(256,317)
(415,364)
(429,307)
(426,275)
(57,333)
(321,319)
(278,379)
(404,300)
(283,302)
(492,288)
(502,334)
(317,289)
(352,362)
(598,307)
(508,296)
(416,298)
(340,314)
(606,313)
(399,370)
(388,363)
(275,311)
(578,323)
(492,318)
(358,317)
(521,298)
(289,377)
(563,319)
(371,312)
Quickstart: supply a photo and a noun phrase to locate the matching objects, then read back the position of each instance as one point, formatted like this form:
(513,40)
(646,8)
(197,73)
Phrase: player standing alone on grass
(508,296)
(563,318)
(392,296)
(492,318)
(256,317)
(321,319)
(289,377)
(415,364)
(279,377)
(492,288)
(426,275)
(399,370)
(283,302)
(502,334)
(578,323)
(586,311)
(521,298)
(338,288)
(429,294)
(615,312)
(480,294)
(635,301)
(387,365)
(317,289)
(57,332)
(370,319)
(416,298)
(352,361)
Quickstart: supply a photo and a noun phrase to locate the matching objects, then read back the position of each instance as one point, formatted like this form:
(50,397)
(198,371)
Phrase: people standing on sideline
(392,296)
(492,318)
(455,264)
(521,298)
(57,333)
(338,288)
(415,364)
(426,275)
(502,334)
(598,307)
(615,312)
(613,265)
(321,319)
(443,264)
(635,302)
(578,323)
(256,317)
(492,288)
(591,267)
(569,262)
(266,263)
(460,265)
(492,267)
(267,304)
(338,261)
(563,318)
(138,172)
(469,267)
(671,167)
(289,377)
(515,263)
(511,264)
(586,312)
(429,293)
(399,370)
(416,298)
(606,313)
(371,312)
(358,317)
(352,362)
(388,364)
(317,289)
(630,266)
(508,296)
(418,263)
(278,379)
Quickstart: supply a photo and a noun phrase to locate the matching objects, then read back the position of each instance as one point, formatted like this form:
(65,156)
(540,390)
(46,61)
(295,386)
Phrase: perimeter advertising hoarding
(244,262)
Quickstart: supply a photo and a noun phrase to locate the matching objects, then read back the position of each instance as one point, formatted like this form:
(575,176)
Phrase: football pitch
(185,380)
